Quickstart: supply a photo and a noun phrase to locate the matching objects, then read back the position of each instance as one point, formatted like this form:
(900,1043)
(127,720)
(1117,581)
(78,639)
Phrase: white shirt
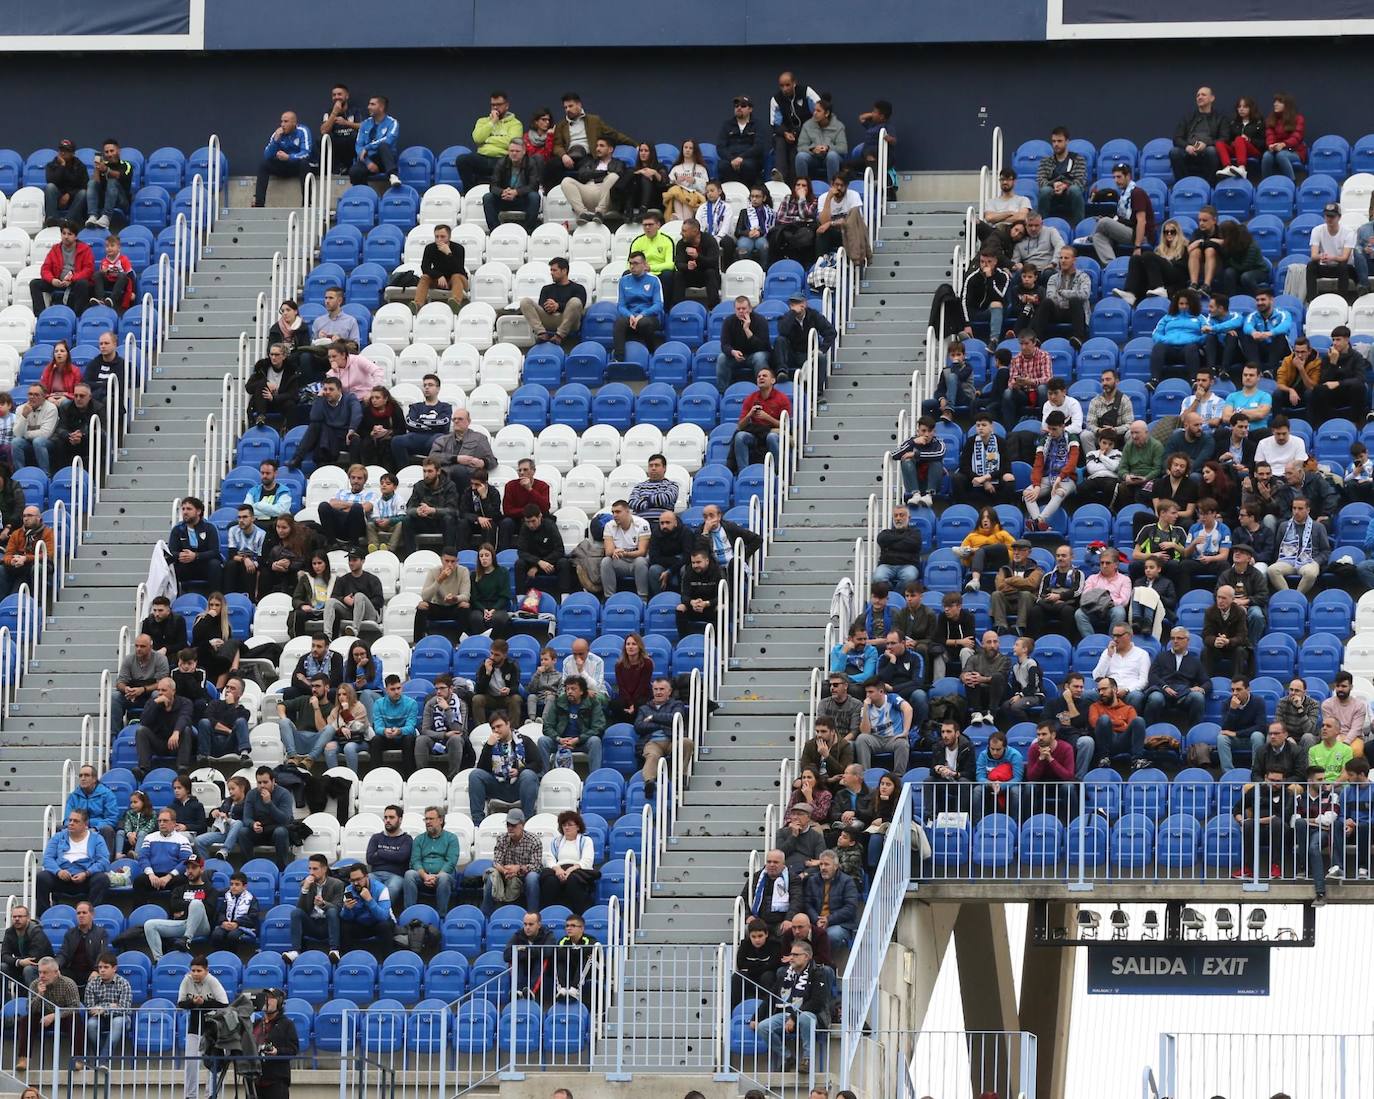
(79,849)
(1130,671)
(1009,204)
(1278,456)
(627,539)
(1332,245)
(593,671)
(1073,413)
(841,206)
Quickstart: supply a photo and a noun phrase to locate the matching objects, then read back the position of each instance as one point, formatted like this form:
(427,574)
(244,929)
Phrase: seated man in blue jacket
(75,863)
(654,726)
(640,311)
(1177,686)
(855,656)
(194,546)
(832,902)
(365,921)
(286,156)
(99,803)
(395,718)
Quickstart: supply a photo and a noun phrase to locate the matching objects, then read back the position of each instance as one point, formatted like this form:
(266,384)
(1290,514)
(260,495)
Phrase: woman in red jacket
(1285,151)
(60,376)
(634,673)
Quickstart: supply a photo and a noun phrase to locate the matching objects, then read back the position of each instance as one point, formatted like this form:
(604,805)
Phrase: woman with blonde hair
(1162,272)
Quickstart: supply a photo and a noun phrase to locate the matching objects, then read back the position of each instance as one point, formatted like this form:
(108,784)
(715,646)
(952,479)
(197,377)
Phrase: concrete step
(712,912)
(723,846)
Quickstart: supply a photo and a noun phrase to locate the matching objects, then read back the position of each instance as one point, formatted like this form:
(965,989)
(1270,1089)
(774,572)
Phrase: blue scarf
(987,458)
(504,755)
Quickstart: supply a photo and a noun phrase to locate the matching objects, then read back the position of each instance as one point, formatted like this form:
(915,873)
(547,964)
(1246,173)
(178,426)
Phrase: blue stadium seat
(1154,162)
(384,246)
(1267,227)
(613,404)
(785,277)
(475,1026)
(168,972)
(1041,841)
(579,615)
(310,977)
(1133,843)
(1111,317)
(622,615)
(1234,198)
(137,969)
(633,367)
(321,278)
(544,366)
(1287,612)
(416,165)
(699,404)
(464,927)
(598,326)
(1333,613)
(401,976)
(687,324)
(657,402)
(1320,657)
(1189,195)
(1329,155)
(275,930)
(586,363)
(572,404)
(343,244)
(365,285)
(400,206)
(357,206)
(529,407)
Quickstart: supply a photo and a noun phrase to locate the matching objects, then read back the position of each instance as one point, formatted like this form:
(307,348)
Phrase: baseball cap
(196,859)
(356,552)
(797,297)
(66,145)
(515,816)
(1332,208)
(743,101)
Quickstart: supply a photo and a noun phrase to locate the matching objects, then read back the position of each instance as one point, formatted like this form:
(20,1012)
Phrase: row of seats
(167,168)
(1278,196)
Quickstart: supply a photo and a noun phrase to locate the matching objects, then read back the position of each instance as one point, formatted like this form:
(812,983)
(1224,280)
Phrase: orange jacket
(18,545)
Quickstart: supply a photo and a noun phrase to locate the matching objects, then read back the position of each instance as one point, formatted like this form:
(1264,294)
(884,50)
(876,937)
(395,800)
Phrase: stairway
(81,636)
(704,866)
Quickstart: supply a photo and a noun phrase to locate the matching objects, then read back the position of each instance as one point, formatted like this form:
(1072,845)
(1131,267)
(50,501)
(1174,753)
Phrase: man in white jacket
(35,420)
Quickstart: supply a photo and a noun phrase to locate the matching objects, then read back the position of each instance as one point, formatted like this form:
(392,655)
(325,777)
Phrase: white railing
(859,985)
(1334,1066)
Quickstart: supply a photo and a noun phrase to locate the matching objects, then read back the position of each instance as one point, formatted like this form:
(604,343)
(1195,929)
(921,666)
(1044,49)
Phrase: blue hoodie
(373,134)
(1357,802)
(296,145)
(1219,326)
(1179,330)
(1279,322)
(641,295)
(403,715)
(101,805)
(1011,755)
(369,914)
(97,859)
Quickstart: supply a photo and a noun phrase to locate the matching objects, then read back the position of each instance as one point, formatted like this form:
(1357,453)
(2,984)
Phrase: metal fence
(946,1064)
(1200,1066)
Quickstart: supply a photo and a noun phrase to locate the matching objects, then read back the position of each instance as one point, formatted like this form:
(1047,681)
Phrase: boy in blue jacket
(365,921)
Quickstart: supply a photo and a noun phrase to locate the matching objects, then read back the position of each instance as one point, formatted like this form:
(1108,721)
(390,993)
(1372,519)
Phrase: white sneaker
(974,584)
(289,956)
(1362,873)
(929,499)
(1335,872)
(914,500)
(1241,171)
(92,222)
(395,180)
(1158,292)
(102,222)
(1082,240)
(1126,296)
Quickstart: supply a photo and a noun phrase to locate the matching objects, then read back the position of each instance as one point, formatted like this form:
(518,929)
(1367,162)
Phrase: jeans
(1226,745)
(196,925)
(302,742)
(729,369)
(914,480)
(395,883)
(279,837)
(1085,625)
(840,938)
(1111,743)
(483,785)
(1014,404)
(443,889)
(74,211)
(105,1033)
(351,749)
(32,452)
(528,206)
(754,248)
(319,929)
(774,1034)
(474,168)
(206,842)
(593,748)
(1069,205)
(497,890)
(1312,838)
(808,164)
(613,569)
(211,743)
(896,577)
(1281,163)
(1084,752)
(1189,707)
(1204,164)
(104,199)
(743,441)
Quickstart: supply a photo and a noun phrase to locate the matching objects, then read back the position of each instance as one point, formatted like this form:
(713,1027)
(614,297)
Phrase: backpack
(947,707)
(418,936)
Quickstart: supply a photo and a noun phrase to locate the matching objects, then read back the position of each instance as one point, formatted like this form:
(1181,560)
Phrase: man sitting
(1226,635)
(316,912)
(652,497)
(575,722)
(434,858)
(697,264)
(1061,179)
(1116,727)
(376,144)
(1177,684)
(508,768)
(163,854)
(75,864)
(67,275)
(557,314)
(191,904)
(514,187)
(803,1000)
(640,308)
(287,156)
(832,902)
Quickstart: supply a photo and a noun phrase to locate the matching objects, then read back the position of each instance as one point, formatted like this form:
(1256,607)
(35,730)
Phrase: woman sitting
(1178,338)
(686,184)
(1160,273)
(568,877)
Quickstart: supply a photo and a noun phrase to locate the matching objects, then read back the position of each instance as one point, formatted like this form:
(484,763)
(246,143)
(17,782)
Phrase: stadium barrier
(950,1064)
(1201,1065)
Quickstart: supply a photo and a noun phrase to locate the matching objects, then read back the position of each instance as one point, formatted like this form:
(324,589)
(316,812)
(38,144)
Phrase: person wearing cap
(1340,392)
(277,1041)
(1134,223)
(355,598)
(1332,250)
(794,328)
(740,146)
(191,902)
(1194,152)
(64,192)
(1052,475)
(1016,585)
(513,877)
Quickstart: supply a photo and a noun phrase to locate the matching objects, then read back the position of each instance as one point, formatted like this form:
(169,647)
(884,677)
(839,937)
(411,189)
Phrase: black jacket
(71,418)
(35,944)
(732,141)
(509,668)
(442,496)
(96,942)
(902,674)
(758,964)
(1166,671)
(473,506)
(701,585)
(168,636)
(816,1000)
(335,673)
(525,176)
(965,761)
(1346,368)
(794,331)
(544,543)
(732,335)
(708,255)
(587,171)
(671,549)
(1287,757)
(70,178)
(899,547)
(365,584)
(281,1035)
(287,388)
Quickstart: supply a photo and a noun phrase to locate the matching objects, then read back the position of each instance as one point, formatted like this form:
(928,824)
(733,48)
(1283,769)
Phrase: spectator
(832,902)
(514,873)
(1067,296)
(340,126)
(794,327)
(654,727)
(544,685)
(855,657)
(1262,811)
(493,136)
(557,315)
(290,330)
(164,728)
(575,722)
(1276,752)
(839,708)
(1025,685)
(357,376)
(269,498)
(626,551)
(700,588)
(984,468)
(75,864)
(874,122)
(1315,813)
(722,537)
(956,386)
(1209,541)
(1052,475)
(1205,402)
(1303,549)
(268,814)
(827,755)
(634,673)
(1331,753)
(225,822)
(35,422)
(1163,272)
(433,863)
(112,278)
(953,765)
(590,187)
(697,264)
(162,853)
(899,550)
(524,489)
(1017,584)
(1178,337)
(275,1037)
(740,143)
(1242,264)
(20,550)
(1168,541)
(1221,328)
(581,661)
(685,183)
(110,191)
(508,768)
(984,678)
(223,731)
(67,276)
(287,156)
(641,305)
(1340,392)
(1195,140)
(1177,682)
(1025,381)
(821,143)
(316,915)
(463,450)
(808,809)
(1299,714)
(443,266)
(1037,251)
(1243,140)
(538,138)
(984,293)
(1057,597)
(514,187)
(1283,144)
(775,895)
(25,943)
(576,135)
(335,417)
(1004,209)
(541,559)
(376,144)
(744,345)
(200,992)
(922,464)
(568,877)
(64,192)
(760,422)
(757,960)
(841,223)
(50,989)
(441,735)
(1127,664)
(1061,179)
(885,726)
(1108,610)
(717,219)
(1116,727)
(1332,251)
(1243,721)
(531,966)
(191,904)
(1351,711)
(356,596)
(753,226)
(1134,223)
(479,512)
(139,819)
(953,640)
(395,718)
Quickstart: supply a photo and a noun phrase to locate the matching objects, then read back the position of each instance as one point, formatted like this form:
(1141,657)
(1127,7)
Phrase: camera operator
(276,1037)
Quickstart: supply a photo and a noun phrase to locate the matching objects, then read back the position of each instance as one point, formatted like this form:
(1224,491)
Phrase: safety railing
(958,1064)
(886,894)
(661,1013)
(1201,1065)
(771,1046)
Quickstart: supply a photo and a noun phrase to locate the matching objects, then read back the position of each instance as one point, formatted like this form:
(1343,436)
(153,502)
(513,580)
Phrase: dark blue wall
(1098,90)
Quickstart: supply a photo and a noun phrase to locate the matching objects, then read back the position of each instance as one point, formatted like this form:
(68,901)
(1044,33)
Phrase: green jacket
(1333,759)
(494,138)
(591,717)
(658,253)
(1146,461)
(434,856)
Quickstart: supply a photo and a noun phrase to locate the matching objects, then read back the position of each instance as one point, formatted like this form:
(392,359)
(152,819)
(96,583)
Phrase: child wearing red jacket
(114,277)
